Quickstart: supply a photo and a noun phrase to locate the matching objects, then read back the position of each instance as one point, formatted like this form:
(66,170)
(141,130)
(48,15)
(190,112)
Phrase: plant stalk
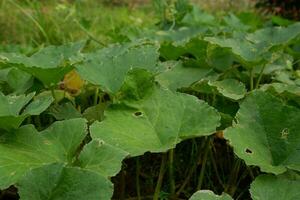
(251,79)
(201,176)
(260,76)
(138,188)
(160,177)
(171,172)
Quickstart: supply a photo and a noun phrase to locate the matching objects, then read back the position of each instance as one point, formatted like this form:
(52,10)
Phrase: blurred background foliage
(42,22)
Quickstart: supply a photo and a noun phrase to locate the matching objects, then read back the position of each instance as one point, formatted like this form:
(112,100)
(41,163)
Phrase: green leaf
(25,148)
(266,133)
(282,88)
(249,53)
(219,58)
(194,46)
(11,105)
(270,187)
(209,195)
(64,111)
(155,123)
(19,80)
(109,66)
(275,35)
(102,158)
(229,88)
(57,182)
(177,76)
(49,64)
(235,23)
(138,83)
(198,17)
(13,110)
(38,105)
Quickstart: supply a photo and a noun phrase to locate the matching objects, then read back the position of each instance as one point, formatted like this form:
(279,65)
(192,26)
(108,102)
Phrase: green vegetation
(162,102)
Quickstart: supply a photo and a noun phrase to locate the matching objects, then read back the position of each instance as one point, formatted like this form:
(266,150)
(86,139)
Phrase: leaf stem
(96,96)
(206,150)
(137,178)
(233,178)
(171,172)
(190,173)
(123,185)
(260,76)
(160,177)
(251,79)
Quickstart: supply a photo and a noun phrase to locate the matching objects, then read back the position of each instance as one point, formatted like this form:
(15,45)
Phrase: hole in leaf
(248,151)
(138,113)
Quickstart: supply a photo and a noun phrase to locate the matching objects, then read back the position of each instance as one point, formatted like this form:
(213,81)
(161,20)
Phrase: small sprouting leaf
(209,195)
(266,133)
(270,187)
(58,182)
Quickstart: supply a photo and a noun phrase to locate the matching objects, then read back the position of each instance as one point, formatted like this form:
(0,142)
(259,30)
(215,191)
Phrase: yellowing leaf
(72,82)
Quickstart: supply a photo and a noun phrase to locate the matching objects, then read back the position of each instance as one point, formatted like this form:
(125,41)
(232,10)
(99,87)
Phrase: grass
(33,23)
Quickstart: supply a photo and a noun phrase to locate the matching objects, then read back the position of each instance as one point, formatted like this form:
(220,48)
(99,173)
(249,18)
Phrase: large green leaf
(102,158)
(270,187)
(276,35)
(209,195)
(177,76)
(25,148)
(287,91)
(109,66)
(266,133)
(194,46)
(56,182)
(282,88)
(19,80)
(156,123)
(64,111)
(14,109)
(249,53)
(49,64)
(229,88)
